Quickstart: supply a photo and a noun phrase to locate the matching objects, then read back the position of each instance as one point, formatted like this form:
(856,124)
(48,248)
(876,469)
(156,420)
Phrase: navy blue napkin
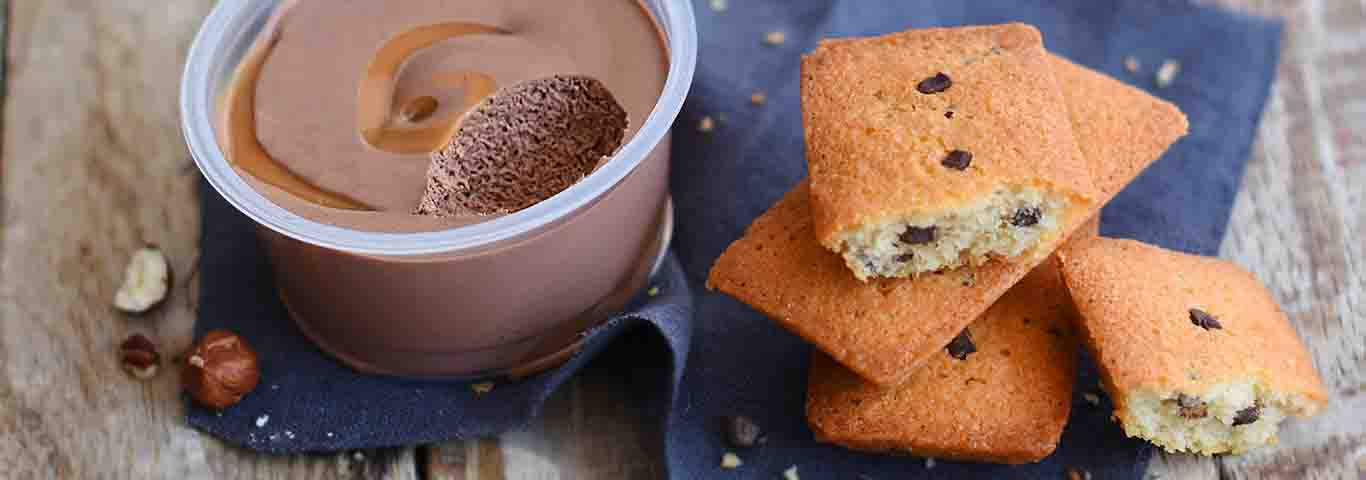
(741,363)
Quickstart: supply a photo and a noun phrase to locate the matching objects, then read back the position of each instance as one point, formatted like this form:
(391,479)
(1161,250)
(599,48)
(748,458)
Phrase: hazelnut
(418,109)
(220,370)
(139,356)
(146,281)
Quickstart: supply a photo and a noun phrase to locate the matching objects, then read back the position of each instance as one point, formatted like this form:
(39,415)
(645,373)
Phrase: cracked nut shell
(220,370)
(139,357)
(146,281)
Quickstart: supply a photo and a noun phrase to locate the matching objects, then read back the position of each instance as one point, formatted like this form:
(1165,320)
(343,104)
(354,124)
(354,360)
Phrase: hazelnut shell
(220,370)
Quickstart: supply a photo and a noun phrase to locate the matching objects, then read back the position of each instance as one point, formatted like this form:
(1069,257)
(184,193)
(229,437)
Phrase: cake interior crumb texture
(1231,417)
(1009,223)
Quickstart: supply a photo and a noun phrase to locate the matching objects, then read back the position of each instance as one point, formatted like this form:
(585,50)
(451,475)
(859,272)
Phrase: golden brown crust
(875,144)
(1005,403)
(1135,301)
(1121,129)
(883,330)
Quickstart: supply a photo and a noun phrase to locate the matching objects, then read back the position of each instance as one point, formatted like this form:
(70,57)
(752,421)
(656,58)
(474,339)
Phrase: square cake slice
(1194,353)
(1000,392)
(936,148)
(883,330)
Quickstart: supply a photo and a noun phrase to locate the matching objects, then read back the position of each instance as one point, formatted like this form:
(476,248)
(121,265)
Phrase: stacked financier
(936,148)
(976,169)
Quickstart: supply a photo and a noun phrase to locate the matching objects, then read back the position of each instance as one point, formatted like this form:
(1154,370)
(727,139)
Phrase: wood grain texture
(93,168)
(588,429)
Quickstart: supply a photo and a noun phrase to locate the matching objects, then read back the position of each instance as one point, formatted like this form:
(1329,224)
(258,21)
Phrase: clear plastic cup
(507,296)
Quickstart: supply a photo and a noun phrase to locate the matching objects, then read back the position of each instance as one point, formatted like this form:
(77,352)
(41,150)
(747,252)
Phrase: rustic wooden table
(94,166)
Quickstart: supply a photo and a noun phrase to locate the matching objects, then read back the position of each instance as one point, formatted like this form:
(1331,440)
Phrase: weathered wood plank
(588,429)
(93,167)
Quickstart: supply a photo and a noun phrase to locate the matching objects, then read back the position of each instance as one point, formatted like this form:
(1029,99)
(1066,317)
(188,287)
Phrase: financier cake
(1015,365)
(883,330)
(1194,353)
(931,149)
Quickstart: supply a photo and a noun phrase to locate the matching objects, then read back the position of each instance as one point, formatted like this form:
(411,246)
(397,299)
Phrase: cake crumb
(758,98)
(775,38)
(1091,398)
(730,460)
(1166,74)
(653,291)
(1074,473)
(482,387)
(791,473)
(706,124)
(718,5)
(261,420)
(1131,64)
(929,463)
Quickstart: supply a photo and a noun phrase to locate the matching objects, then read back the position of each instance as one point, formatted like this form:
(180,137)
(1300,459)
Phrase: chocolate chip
(1191,407)
(1204,320)
(1026,217)
(742,432)
(957,160)
(918,235)
(948,114)
(938,83)
(1247,415)
(961,346)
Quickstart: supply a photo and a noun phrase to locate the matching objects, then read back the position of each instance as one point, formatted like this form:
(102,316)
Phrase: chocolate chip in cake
(961,346)
(1247,415)
(957,160)
(938,83)
(918,235)
(1190,406)
(1026,217)
(1204,320)
(742,432)
(949,114)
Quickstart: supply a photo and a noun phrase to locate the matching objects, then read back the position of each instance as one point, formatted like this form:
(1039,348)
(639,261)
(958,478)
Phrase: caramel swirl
(375,116)
(376,92)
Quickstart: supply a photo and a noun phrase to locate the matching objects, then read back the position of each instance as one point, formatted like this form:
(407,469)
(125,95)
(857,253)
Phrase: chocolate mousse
(335,110)
(339,108)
